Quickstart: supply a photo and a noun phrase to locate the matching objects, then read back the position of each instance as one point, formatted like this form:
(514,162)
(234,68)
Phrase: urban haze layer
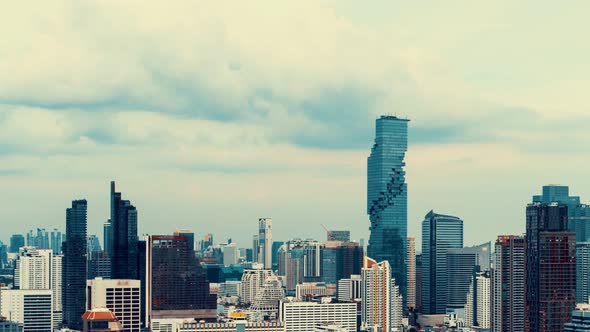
(183,281)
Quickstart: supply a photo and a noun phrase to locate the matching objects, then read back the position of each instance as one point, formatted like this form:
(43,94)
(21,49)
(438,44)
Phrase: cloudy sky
(210,114)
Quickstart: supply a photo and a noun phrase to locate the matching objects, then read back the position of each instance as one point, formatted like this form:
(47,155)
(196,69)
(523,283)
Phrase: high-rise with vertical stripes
(387,196)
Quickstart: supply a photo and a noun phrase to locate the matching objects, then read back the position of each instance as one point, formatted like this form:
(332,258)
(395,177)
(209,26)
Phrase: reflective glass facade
(387,197)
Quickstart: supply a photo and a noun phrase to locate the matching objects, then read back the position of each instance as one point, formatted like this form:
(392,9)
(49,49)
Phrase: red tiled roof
(104,314)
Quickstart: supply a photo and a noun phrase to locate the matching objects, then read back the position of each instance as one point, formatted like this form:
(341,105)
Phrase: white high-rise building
(230,254)
(122,297)
(349,290)
(267,299)
(478,309)
(30,307)
(307,316)
(381,299)
(252,281)
(40,269)
(264,252)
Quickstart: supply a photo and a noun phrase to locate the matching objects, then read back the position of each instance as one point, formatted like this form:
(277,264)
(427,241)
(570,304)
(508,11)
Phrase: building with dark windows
(276,245)
(176,284)
(550,267)
(580,319)
(190,237)
(340,260)
(343,236)
(29,307)
(74,265)
(462,264)
(17,241)
(508,292)
(439,234)
(123,236)
(387,197)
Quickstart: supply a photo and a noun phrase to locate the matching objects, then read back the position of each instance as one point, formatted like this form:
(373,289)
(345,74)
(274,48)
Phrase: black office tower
(550,268)
(123,237)
(74,265)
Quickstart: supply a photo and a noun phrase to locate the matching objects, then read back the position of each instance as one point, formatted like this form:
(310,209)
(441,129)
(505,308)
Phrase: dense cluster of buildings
(534,282)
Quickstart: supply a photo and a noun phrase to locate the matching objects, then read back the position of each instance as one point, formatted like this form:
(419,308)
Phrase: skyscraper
(477,308)
(387,196)
(123,232)
(381,306)
(17,241)
(340,260)
(580,319)
(439,234)
(551,268)
(265,242)
(176,284)
(578,214)
(276,245)
(461,265)
(74,265)
(509,284)
(411,273)
(190,237)
(56,241)
(583,272)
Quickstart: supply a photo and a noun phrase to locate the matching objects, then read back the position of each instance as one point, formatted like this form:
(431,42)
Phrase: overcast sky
(210,114)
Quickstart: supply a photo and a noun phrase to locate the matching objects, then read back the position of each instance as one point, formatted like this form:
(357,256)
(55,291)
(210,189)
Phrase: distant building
(252,281)
(93,244)
(10,326)
(419,285)
(190,237)
(583,272)
(264,249)
(30,307)
(230,254)
(38,238)
(101,320)
(550,291)
(276,245)
(580,321)
(340,260)
(310,290)
(300,261)
(176,286)
(461,265)
(509,284)
(381,300)
(123,250)
(99,265)
(387,196)
(17,241)
(121,297)
(478,309)
(349,290)
(343,236)
(56,241)
(439,234)
(74,265)
(266,301)
(411,263)
(306,316)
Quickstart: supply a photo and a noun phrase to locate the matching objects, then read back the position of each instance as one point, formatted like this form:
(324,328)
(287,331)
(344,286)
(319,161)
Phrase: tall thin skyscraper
(411,273)
(509,284)
(124,254)
(583,272)
(74,265)
(439,234)
(387,197)
(265,242)
(56,241)
(551,268)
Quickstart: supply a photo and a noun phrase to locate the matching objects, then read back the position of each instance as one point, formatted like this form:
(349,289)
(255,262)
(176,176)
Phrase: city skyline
(273,116)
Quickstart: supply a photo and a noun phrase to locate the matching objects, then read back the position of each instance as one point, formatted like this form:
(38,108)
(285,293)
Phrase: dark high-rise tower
(74,265)
(387,197)
(123,237)
(176,284)
(550,268)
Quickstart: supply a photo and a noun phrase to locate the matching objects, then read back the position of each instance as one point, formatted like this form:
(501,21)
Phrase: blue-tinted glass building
(74,265)
(578,214)
(387,197)
(17,241)
(440,233)
(462,264)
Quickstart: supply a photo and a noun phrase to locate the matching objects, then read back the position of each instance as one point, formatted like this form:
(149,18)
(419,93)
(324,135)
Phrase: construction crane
(330,233)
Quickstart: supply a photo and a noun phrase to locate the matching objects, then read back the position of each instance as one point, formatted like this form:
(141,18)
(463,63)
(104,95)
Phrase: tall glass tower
(74,265)
(387,197)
